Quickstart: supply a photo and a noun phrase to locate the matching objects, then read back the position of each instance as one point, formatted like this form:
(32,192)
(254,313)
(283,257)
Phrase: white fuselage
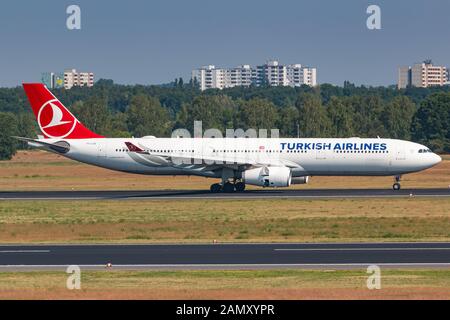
(206,156)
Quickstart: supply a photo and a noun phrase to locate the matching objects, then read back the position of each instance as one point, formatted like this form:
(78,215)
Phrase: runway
(225,256)
(205,194)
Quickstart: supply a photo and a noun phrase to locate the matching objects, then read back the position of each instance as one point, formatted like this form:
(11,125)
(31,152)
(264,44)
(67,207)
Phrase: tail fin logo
(54,120)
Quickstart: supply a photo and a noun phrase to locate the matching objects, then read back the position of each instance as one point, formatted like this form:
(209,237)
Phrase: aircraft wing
(209,163)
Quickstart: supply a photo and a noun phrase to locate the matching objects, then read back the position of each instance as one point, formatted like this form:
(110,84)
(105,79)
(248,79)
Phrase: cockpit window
(425,151)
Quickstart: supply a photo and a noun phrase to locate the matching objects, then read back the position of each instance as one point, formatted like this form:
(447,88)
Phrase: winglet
(134,148)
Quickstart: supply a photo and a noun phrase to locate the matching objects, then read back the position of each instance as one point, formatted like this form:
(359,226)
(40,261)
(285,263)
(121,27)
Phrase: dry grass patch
(259,284)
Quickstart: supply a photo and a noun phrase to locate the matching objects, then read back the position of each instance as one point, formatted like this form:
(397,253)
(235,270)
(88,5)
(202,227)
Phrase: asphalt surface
(202,194)
(225,256)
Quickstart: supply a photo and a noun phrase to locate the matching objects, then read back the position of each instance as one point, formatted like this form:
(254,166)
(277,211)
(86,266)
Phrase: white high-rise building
(80,79)
(298,75)
(422,75)
(309,77)
(209,77)
(272,74)
(239,76)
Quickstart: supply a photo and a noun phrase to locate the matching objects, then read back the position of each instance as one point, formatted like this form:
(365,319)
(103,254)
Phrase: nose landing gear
(396,186)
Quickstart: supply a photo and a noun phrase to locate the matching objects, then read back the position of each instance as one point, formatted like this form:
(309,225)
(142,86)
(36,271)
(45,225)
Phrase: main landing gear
(396,185)
(228,187)
(216,187)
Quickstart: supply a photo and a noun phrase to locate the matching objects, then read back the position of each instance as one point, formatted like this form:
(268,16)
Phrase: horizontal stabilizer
(59,147)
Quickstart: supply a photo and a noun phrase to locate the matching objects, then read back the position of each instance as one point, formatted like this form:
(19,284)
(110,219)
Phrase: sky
(155,41)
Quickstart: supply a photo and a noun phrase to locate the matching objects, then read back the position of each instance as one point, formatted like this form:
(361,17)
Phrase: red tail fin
(54,119)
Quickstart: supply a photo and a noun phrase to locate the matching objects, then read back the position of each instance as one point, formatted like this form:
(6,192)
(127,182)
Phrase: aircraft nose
(436,159)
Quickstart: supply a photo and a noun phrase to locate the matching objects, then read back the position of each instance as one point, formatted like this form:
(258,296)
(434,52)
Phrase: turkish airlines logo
(54,120)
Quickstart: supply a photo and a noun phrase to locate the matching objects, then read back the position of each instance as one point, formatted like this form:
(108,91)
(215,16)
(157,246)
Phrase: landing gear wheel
(228,187)
(240,186)
(216,187)
(396,186)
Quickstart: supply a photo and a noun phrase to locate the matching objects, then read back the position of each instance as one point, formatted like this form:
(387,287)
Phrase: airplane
(264,162)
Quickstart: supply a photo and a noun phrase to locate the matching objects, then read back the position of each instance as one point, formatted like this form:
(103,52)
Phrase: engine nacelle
(268,177)
(300,180)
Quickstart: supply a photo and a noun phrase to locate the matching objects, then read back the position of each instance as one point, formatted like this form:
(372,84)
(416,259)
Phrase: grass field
(259,284)
(39,170)
(398,219)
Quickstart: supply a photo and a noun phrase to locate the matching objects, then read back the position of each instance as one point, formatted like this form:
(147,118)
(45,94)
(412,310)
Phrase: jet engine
(300,180)
(268,176)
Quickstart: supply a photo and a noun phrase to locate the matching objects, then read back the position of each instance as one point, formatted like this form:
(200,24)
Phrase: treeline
(418,114)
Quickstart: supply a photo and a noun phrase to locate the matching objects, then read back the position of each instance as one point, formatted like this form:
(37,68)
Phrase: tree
(288,121)
(367,115)
(214,111)
(94,114)
(145,116)
(397,117)
(194,84)
(8,145)
(119,127)
(258,114)
(358,111)
(26,127)
(431,122)
(340,114)
(313,119)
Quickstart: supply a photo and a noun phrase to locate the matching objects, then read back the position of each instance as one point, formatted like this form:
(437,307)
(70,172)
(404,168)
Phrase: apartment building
(209,77)
(239,76)
(80,79)
(422,75)
(298,75)
(67,79)
(271,73)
